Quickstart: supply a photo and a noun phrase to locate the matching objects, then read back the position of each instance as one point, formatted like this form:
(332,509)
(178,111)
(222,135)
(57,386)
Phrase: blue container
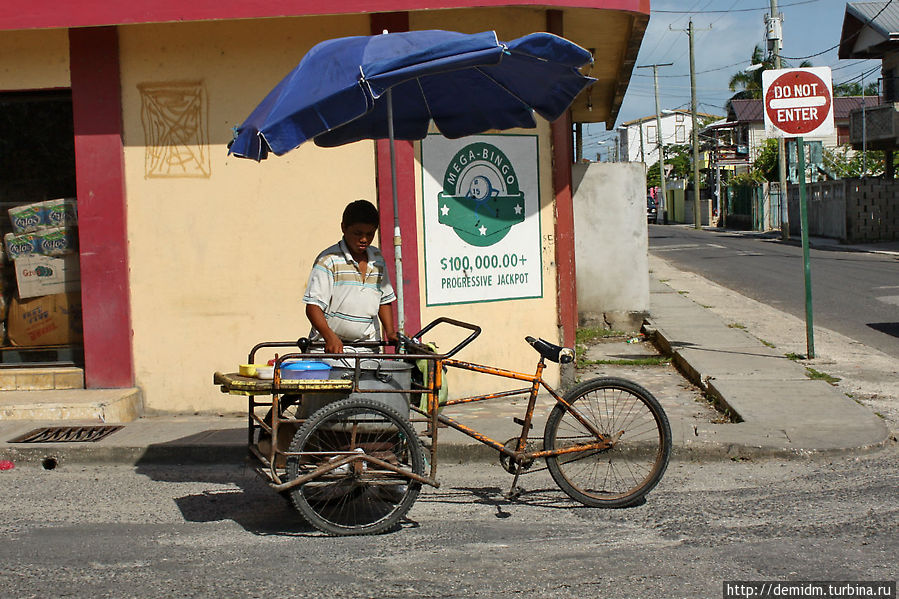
(305,369)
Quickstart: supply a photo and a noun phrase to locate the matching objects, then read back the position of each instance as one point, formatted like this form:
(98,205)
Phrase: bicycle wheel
(632,419)
(360,497)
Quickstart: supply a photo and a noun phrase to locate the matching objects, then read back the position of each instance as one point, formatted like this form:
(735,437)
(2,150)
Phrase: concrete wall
(34,59)
(851,210)
(611,241)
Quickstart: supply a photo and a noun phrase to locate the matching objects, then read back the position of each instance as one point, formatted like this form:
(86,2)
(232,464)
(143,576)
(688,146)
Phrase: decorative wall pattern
(174,117)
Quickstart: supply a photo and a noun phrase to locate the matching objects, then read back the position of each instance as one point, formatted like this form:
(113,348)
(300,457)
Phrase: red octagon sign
(798,102)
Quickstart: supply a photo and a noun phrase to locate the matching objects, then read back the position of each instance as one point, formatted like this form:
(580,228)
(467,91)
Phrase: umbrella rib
(510,92)
(424,97)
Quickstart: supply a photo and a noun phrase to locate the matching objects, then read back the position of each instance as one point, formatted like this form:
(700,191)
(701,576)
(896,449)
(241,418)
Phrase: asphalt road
(853,293)
(156,531)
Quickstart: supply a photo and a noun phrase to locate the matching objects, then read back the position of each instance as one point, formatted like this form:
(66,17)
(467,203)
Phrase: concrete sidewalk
(776,410)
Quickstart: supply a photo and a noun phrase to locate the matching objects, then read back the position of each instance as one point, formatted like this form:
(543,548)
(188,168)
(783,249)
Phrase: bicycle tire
(353,500)
(623,474)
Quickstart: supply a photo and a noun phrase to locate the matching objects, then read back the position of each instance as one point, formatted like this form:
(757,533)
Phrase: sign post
(799,103)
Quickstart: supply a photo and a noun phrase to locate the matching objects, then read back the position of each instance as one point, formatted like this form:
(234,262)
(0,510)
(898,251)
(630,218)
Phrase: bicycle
(356,465)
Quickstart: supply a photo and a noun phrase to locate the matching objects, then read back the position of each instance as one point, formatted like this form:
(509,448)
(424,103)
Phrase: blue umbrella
(392,86)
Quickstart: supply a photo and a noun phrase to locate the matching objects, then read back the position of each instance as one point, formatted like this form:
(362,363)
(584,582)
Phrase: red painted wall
(99,161)
(84,13)
(563,156)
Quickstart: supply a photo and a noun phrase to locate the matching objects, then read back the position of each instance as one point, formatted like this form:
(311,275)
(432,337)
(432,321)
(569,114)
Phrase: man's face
(358,237)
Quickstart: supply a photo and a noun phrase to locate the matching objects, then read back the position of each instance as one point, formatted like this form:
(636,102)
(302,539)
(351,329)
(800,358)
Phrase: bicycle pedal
(520,422)
(514,493)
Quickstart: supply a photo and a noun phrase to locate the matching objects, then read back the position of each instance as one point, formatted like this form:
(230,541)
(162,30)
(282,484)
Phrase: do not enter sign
(798,102)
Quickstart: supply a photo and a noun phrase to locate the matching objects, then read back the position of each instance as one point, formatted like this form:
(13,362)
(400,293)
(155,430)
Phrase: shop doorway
(39,270)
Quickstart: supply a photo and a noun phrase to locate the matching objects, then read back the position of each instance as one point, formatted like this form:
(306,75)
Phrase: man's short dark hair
(360,212)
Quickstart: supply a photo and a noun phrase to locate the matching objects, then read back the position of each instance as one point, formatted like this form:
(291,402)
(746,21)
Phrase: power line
(851,37)
(705,12)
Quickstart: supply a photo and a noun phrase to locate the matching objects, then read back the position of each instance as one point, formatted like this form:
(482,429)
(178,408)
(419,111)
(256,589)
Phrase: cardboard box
(45,275)
(47,320)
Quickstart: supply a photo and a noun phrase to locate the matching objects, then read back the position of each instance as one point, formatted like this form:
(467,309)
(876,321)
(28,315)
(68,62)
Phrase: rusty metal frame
(269,461)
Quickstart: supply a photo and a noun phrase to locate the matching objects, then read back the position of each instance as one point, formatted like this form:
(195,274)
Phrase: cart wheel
(360,497)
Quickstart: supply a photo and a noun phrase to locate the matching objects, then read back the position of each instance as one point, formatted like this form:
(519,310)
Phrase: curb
(54,456)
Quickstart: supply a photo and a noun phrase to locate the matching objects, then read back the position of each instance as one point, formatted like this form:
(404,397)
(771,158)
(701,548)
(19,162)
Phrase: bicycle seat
(551,351)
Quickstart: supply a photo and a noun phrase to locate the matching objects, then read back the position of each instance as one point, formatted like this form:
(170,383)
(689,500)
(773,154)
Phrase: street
(178,531)
(853,293)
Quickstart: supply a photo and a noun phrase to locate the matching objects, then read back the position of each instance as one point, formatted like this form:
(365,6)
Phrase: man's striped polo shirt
(349,301)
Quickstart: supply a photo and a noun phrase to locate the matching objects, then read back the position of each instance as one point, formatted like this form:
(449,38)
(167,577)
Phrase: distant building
(638,140)
(742,135)
(871,30)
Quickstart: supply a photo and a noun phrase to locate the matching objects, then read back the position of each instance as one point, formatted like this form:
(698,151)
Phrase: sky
(726,31)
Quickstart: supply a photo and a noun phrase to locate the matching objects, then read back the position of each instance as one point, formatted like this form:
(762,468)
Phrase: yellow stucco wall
(34,59)
(219,262)
(220,248)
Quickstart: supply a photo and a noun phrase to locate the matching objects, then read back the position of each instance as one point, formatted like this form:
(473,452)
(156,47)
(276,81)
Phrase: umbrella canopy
(465,83)
(393,85)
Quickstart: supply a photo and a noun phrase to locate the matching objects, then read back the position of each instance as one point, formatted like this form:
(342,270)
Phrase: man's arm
(385,314)
(316,316)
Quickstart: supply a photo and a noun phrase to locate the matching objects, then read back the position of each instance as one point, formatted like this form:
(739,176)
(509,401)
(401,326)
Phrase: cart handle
(415,340)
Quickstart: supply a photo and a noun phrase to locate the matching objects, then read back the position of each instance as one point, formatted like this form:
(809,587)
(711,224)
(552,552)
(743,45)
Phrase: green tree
(766,164)
(748,85)
(855,89)
(844,163)
(678,160)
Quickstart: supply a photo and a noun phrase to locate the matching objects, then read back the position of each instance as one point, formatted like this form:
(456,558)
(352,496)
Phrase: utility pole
(578,142)
(642,155)
(697,212)
(774,29)
(697,209)
(663,204)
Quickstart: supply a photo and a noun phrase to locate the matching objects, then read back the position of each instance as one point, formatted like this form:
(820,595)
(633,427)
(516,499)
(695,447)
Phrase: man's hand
(316,316)
(333,344)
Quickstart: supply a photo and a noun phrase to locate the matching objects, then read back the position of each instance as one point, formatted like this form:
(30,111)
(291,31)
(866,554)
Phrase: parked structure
(189,257)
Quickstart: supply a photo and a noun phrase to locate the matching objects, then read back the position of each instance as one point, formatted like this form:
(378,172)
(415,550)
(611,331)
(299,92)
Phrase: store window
(39,281)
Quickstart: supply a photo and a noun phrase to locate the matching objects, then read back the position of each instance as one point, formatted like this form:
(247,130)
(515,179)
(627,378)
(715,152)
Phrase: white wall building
(638,139)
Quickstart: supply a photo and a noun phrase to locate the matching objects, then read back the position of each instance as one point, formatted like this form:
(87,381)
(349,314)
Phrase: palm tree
(748,85)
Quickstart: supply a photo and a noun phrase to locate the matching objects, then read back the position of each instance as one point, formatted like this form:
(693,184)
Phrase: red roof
(751,111)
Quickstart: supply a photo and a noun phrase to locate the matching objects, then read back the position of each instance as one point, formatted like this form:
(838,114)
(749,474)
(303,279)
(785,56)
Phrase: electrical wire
(732,10)
(851,37)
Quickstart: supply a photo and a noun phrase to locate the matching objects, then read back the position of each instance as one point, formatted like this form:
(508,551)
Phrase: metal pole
(806,266)
(642,154)
(397,238)
(864,132)
(578,142)
(781,145)
(662,204)
(697,210)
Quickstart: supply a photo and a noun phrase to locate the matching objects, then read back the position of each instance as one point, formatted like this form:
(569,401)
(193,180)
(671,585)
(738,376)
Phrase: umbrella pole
(397,239)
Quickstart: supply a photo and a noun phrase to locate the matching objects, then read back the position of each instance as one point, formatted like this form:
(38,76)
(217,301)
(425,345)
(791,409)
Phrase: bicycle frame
(518,455)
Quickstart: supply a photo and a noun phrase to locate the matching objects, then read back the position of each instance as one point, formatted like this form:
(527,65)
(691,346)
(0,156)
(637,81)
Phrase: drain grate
(66,434)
